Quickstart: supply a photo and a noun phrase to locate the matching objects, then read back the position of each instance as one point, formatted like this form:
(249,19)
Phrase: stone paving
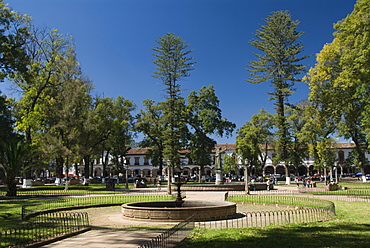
(112,238)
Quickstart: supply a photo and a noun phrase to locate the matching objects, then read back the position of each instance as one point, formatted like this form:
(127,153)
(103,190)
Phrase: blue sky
(114,40)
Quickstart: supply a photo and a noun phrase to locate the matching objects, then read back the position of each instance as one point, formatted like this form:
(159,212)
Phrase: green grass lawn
(351,228)
(10,211)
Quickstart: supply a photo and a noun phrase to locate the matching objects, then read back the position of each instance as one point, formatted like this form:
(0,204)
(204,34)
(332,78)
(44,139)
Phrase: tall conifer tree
(172,65)
(278,64)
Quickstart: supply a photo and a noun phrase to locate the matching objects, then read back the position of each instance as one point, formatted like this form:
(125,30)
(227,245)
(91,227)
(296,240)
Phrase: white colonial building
(138,164)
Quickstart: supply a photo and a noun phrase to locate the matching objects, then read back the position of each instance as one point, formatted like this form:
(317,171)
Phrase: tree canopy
(339,82)
(278,40)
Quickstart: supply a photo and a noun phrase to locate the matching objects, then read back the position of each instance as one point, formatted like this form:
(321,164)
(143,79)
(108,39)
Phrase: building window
(137,160)
(128,160)
(146,161)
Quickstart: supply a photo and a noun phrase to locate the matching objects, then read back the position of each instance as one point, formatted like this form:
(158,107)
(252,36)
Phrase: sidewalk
(106,237)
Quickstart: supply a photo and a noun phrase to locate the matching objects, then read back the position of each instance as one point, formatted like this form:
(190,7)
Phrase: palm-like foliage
(13,156)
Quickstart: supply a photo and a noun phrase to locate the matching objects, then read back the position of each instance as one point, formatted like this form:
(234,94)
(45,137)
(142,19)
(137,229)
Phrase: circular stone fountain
(179,209)
(171,211)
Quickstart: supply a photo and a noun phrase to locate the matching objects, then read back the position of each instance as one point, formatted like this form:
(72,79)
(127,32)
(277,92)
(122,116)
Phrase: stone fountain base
(170,211)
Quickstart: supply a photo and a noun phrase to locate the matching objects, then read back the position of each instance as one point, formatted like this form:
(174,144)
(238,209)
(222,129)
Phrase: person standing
(253,184)
(296,181)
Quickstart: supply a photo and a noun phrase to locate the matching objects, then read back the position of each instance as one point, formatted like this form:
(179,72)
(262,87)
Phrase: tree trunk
(59,170)
(66,173)
(86,166)
(11,185)
(246,179)
(287,174)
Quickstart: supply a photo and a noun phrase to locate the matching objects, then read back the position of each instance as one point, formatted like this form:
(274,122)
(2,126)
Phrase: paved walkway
(112,238)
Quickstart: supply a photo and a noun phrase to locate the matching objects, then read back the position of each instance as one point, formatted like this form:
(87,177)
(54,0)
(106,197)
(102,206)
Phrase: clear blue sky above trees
(114,40)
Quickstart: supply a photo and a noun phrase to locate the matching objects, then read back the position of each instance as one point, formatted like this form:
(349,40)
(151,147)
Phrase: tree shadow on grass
(342,235)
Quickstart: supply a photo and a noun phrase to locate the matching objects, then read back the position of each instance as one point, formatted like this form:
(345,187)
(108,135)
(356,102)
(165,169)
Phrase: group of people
(306,182)
(270,183)
(140,184)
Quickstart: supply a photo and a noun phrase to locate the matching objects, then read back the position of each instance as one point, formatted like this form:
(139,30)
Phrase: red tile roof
(230,147)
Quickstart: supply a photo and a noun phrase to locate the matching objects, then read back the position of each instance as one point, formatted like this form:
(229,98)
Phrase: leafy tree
(40,83)
(151,123)
(353,34)
(205,119)
(13,34)
(297,119)
(45,48)
(339,82)
(230,163)
(6,118)
(122,132)
(254,138)
(278,64)
(172,65)
(317,131)
(95,132)
(65,112)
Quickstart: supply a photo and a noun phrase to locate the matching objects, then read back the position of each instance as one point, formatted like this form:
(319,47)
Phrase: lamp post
(126,174)
(325,172)
(336,172)
(169,177)
(331,173)
(246,176)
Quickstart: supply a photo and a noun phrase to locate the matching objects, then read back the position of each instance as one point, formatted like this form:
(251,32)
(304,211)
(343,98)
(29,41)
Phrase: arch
(302,170)
(176,170)
(195,171)
(146,172)
(98,172)
(155,173)
(137,172)
(207,171)
(280,169)
(268,169)
(186,171)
